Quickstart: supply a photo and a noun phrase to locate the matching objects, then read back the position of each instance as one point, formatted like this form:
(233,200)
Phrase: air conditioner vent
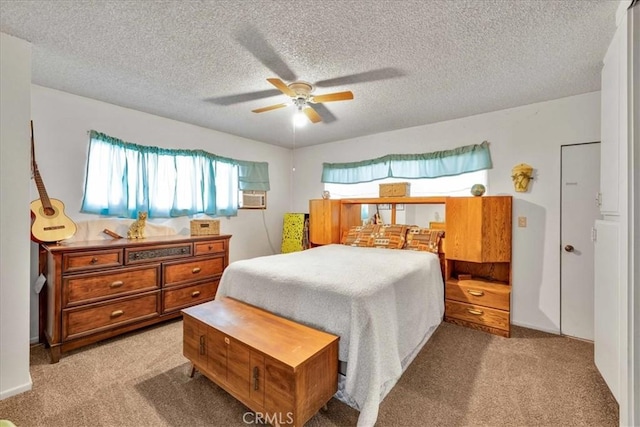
(253,200)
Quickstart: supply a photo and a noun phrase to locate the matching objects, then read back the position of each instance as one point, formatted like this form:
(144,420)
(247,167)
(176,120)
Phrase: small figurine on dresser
(136,229)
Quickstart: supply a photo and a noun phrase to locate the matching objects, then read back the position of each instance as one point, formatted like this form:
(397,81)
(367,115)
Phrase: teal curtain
(460,160)
(123,178)
(253,176)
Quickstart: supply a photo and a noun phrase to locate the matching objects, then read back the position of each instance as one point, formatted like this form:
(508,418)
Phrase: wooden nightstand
(478,245)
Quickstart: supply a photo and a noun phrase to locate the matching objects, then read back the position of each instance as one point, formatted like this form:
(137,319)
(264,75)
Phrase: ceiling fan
(301,94)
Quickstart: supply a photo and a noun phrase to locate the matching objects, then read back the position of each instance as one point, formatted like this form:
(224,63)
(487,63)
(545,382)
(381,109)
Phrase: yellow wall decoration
(295,232)
(521,174)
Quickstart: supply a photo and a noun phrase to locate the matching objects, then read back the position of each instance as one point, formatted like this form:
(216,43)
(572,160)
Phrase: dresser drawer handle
(210,247)
(184,250)
(195,270)
(117,313)
(94,260)
(256,374)
(195,294)
(116,284)
(226,340)
(475,312)
(476,293)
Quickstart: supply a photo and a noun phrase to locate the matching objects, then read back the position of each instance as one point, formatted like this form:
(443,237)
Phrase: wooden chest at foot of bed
(283,371)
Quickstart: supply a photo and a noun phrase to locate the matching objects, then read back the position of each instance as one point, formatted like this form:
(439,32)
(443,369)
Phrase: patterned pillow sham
(423,239)
(389,236)
(360,235)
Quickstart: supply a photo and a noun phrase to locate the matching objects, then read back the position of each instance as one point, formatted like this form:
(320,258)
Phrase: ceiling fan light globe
(300,119)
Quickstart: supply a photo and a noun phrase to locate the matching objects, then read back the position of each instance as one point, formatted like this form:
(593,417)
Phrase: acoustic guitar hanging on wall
(49,222)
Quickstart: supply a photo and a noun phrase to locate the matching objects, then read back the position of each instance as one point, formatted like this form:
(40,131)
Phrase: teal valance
(459,160)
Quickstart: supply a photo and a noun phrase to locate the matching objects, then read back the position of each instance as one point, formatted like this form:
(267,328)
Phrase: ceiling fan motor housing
(302,89)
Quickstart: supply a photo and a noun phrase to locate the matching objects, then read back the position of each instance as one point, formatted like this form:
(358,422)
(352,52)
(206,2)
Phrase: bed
(383,303)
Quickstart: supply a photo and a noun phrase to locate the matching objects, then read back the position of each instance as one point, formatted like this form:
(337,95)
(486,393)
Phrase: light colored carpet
(461,377)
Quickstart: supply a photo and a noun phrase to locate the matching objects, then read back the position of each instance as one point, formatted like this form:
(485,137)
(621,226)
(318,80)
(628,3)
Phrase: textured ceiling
(407,63)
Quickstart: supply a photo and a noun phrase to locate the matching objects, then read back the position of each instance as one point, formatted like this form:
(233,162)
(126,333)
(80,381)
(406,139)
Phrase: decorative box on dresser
(478,257)
(99,289)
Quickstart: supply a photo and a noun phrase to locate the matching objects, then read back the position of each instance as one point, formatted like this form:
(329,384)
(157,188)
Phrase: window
(457,185)
(124,178)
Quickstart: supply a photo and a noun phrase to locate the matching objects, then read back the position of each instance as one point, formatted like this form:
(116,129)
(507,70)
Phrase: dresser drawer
(479,292)
(477,314)
(209,248)
(157,253)
(177,298)
(180,273)
(88,288)
(93,318)
(93,260)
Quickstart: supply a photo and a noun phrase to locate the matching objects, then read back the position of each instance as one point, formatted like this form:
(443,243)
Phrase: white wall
(61,123)
(15,84)
(532,134)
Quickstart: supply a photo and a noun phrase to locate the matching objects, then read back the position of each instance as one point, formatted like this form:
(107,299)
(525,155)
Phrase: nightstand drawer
(493,295)
(179,273)
(477,314)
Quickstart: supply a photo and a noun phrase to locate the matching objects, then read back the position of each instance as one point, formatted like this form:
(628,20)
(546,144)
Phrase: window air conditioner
(253,200)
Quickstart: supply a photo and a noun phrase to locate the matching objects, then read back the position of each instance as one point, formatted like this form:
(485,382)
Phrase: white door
(580,181)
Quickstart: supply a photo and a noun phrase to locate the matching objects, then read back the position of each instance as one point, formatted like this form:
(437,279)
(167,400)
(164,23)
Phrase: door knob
(569,248)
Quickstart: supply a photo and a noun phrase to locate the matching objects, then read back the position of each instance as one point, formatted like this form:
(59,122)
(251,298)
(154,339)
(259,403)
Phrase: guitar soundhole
(48,211)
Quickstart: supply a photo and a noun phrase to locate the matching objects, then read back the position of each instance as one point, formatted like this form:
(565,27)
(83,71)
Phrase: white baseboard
(536,327)
(16,390)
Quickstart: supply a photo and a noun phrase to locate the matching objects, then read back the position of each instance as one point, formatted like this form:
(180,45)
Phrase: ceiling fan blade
(283,87)
(242,97)
(330,97)
(257,45)
(367,76)
(327,116)
(312,114)
(269,108)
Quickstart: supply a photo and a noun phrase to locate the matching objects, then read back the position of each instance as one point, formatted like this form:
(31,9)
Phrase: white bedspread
(381,302)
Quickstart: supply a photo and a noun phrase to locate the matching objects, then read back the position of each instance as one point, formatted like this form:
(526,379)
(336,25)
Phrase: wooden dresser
(478,257)
(99,289)
(283,371)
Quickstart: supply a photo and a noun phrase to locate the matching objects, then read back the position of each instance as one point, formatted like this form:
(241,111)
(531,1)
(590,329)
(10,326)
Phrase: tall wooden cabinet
(324,221)
(478,257)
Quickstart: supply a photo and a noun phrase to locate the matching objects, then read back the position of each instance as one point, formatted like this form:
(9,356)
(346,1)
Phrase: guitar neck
(44,197)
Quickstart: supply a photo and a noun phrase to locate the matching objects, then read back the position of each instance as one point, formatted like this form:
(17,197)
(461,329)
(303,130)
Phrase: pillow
(360,235)
(423,239)
(389,236)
